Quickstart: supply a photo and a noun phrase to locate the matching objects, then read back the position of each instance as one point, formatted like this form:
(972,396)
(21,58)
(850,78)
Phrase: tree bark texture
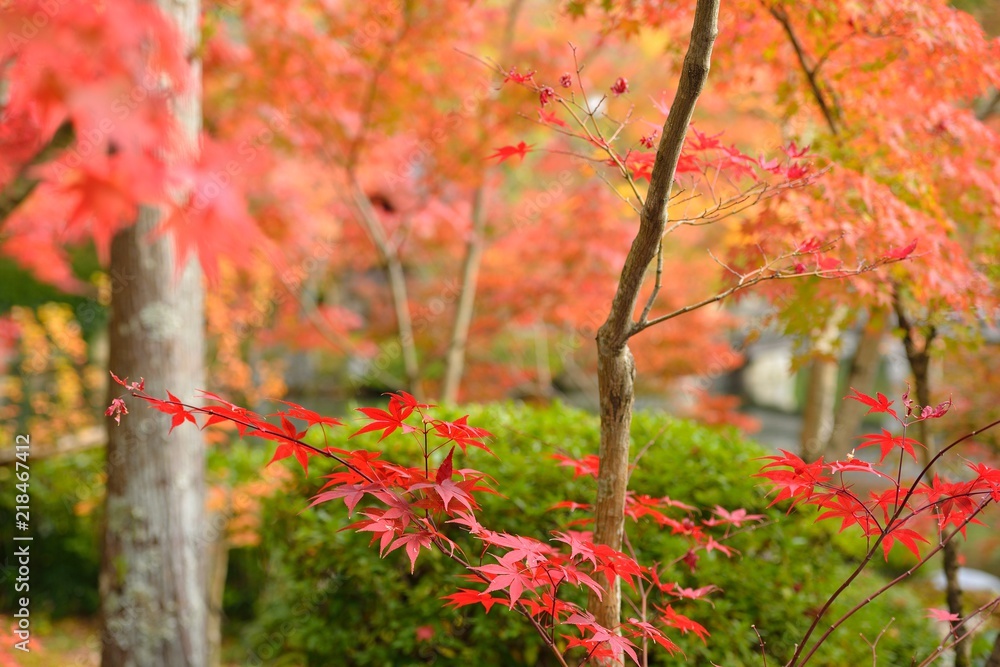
(153,610)
(862,375)
(616,367)
(919,357)
(455,361)
(821,389)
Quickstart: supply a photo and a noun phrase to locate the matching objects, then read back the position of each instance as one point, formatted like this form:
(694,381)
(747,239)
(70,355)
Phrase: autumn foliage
(433,506)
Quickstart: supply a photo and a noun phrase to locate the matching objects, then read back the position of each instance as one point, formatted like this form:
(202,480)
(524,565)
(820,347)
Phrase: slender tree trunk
(397,286)
(821,390)
(616,367)
(817,415)
(994,659)
(918,355)
(543,364)
(217,565)
(455,362)
(152,567)
(864,370)
(474,248)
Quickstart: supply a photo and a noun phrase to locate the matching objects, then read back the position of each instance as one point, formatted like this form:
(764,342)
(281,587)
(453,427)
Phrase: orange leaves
(103,73)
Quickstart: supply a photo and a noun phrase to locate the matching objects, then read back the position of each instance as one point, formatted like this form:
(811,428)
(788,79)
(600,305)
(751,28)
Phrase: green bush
(66,497)
(329,598)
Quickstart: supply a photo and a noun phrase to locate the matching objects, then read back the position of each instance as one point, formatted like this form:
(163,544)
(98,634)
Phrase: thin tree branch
(829,113)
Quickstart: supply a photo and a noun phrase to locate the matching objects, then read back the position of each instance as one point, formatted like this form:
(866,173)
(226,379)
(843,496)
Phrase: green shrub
(66,496)
(330,599)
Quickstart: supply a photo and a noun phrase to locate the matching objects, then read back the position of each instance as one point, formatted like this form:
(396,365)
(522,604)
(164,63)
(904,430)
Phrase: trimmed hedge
(329,598)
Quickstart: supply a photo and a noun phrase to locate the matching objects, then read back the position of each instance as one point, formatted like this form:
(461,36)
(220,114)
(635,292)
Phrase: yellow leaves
(55,378)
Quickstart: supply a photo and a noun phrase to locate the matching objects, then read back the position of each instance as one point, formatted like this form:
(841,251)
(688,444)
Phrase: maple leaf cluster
(892,515)
(426,507)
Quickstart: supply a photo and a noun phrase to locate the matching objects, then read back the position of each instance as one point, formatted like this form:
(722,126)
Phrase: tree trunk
(217,565)
(817,416)
(994,659)
(396,278)
(474,248)
(616,384)
(615,366)
(821,390)
(455,361)
(864,370)
(918,355)
(152,592)
(152,572)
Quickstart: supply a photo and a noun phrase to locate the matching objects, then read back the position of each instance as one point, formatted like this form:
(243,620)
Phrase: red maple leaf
(550,117)
(387,422)
(505,152)
(467,596)
(887,442)
(682,622)
(736,517)
(901,253)
(649,631)
(308,416)
(588,465)
(509,576)
(615,643)
(908,538)
(462,433)
(174,407)
(287,449)
(878,404)
(513,75)
(444,472)
(413,542)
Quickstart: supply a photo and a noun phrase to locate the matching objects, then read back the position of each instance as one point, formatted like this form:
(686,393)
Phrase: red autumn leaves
(418,508)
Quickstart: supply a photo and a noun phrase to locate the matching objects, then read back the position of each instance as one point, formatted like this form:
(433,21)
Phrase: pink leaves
(588,465)
(600,641)
(942,615)
(117,408)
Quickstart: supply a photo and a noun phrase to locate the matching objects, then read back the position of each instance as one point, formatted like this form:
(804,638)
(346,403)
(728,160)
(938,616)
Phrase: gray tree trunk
(918,353)
(455,360)
(821,390)
(153,610)
(863,373)
(817,414)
